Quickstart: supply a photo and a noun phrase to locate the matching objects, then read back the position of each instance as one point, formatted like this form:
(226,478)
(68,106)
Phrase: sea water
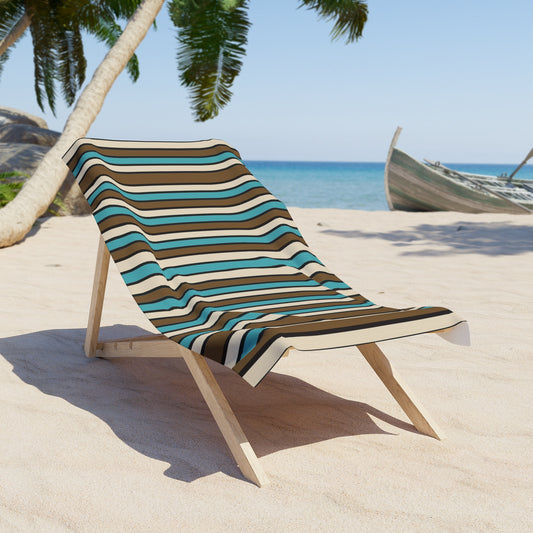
(345,185)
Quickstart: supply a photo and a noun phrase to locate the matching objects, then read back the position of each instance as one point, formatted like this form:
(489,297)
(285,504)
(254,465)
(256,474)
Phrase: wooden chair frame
(161,346)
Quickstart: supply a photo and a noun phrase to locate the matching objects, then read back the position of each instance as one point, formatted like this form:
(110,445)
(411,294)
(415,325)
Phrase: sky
(457,76)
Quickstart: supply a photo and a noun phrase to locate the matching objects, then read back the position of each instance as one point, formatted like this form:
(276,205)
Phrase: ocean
(344,185)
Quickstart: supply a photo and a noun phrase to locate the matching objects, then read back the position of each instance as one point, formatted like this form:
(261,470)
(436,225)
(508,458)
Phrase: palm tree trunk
(18,216)
(16,32)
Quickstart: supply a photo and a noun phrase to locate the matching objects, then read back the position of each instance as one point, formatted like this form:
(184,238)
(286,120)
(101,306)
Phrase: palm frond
(44,55)
(212,35)
(10,14)
(71,63)
(350,16)
(100,19)
(123,9)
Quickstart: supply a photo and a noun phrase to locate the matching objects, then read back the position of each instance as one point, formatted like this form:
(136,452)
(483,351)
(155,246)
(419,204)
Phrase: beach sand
(129,445)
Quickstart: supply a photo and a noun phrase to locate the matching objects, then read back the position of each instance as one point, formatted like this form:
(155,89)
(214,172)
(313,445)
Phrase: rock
(20,157)
(24,140)
(26,133)
(15,116)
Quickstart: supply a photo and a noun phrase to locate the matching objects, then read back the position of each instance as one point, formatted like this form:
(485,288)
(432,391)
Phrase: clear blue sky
(457,76)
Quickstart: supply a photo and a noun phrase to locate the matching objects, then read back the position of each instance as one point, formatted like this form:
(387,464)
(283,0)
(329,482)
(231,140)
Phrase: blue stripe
(205,313)
(336,285)
(111,211)
(120,242)
(142,272)
(326,308)
(168,304)
(189,339)
(155,161)
(297,262)
(147,269)
(175,194)
(250,340)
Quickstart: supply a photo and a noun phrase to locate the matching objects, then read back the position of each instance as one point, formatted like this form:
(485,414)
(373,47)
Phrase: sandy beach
(129,445)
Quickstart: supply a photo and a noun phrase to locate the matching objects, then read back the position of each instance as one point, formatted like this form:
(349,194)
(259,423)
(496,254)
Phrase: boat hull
(413,186)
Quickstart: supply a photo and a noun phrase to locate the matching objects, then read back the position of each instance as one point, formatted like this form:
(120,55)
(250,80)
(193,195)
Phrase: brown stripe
(200,306)
(150,152)
(273,246)
(231,201)
(294,320)
(156,177)
(256,222)
(163,292)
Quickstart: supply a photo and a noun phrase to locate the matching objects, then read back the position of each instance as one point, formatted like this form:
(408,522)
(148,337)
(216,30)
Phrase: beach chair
(218,266)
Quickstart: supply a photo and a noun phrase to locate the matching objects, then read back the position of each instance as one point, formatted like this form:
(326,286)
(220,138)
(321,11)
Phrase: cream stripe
(182,312)
(108,143)
(156,188)
(144,257)
(267,318)
(152,282)
(182,235)
(147,284)
(233,348)
(151,168)
(180,211)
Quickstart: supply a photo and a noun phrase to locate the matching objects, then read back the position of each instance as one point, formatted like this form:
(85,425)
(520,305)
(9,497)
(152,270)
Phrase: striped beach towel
(216,262)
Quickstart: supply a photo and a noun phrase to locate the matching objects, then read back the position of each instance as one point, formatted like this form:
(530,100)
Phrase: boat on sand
(411,185)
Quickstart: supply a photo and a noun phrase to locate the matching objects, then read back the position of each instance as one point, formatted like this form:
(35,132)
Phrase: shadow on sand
(489,238)
(154,406)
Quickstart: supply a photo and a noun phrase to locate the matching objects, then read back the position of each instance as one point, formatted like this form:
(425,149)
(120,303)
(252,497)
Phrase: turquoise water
(344,185)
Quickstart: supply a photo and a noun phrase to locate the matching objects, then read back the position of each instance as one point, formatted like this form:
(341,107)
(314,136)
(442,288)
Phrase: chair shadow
(465,237)
(154,406)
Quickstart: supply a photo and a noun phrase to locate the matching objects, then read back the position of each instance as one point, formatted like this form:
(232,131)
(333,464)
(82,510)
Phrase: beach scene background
(129,445)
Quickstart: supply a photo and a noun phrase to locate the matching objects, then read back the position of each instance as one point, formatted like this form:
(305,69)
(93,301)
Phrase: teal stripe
(153,161)
(142,272)
(174,303)
(250,340)
(111,211)
(336,285)
(206,313)
(145,270)
(326,308)
(189,339)
(171,302)
(297,262)
(176,195)
(130,238)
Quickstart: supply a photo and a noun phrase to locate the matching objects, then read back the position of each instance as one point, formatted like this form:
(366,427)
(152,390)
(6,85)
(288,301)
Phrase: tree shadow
(154,406)
(463,237)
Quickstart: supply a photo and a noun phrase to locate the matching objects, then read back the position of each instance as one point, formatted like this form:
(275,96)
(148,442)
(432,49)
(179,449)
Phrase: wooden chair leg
(225,418)
(97,298)
(160,346)
(405,398)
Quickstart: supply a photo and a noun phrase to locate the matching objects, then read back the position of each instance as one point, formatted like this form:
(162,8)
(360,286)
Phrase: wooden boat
(414,186)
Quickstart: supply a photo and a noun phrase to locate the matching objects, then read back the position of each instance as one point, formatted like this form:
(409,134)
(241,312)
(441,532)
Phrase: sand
(128,445)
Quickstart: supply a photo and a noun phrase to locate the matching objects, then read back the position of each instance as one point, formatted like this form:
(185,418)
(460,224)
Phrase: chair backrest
(182,208)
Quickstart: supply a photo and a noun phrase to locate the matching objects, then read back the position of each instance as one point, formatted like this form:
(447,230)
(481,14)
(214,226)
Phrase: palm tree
(212,36)
(55,29)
